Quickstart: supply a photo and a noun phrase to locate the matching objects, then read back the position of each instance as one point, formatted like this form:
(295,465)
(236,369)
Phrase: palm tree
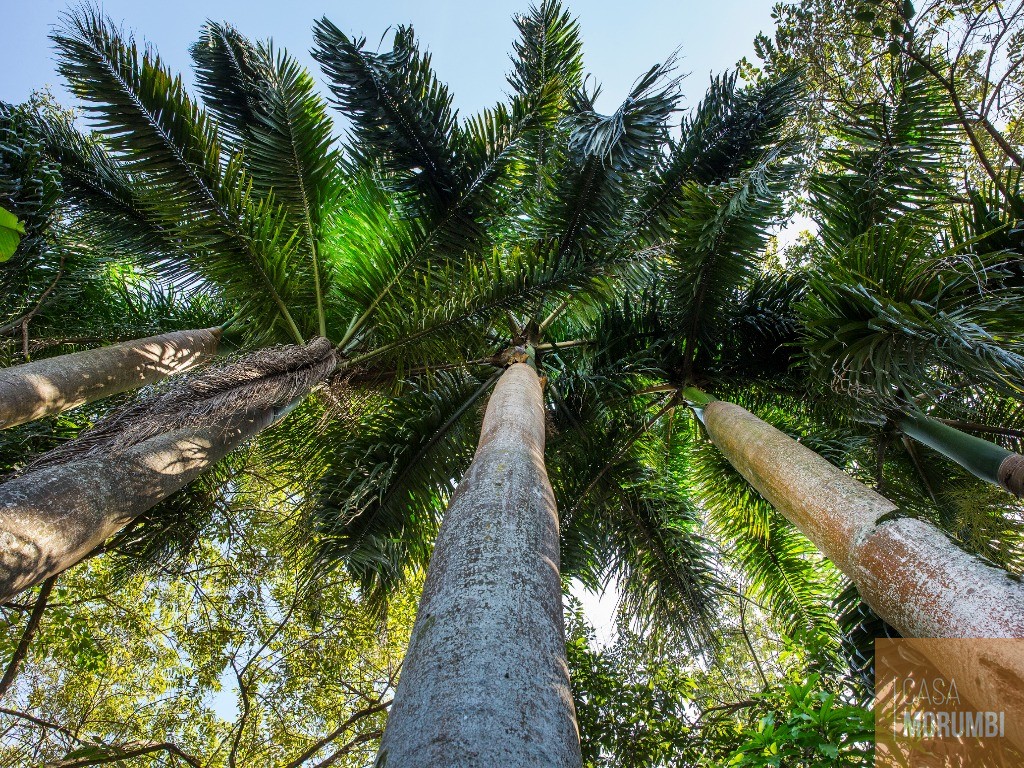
(446,180)
(50,386)
(434,252)
(269,218)
(897,312)
(467,688)
(910,300)
(75,497)
(580,233)
(713,319)
(55,267)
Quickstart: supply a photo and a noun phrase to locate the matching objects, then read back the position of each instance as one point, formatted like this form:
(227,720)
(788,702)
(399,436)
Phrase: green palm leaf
(381,498)
(401,114)
(159,134)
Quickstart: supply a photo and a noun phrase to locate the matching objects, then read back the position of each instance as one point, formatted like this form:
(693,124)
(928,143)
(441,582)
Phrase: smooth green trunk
(981,458)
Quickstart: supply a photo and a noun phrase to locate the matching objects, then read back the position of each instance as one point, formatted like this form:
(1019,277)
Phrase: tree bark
(52,517)
(907,570)
(53,385)
(485,681)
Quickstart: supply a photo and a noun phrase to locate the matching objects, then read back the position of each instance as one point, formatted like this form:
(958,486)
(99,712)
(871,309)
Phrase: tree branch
(26,638)
(41,723)
(318,745)
(342,751)
(126,752)
(23,321)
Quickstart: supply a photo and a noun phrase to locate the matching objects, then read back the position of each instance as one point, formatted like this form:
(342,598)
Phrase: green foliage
(29,181)
(401,113)
(759,699)
(636,260)
(381,494)
(814,729)
(630,715)
(887,162)
(11,232)
(628,517)
(226,659)
(896,313)
(159,134)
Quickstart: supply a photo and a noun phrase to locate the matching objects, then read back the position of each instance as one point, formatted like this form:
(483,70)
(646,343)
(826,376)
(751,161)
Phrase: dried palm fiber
(267,378)
(70,500)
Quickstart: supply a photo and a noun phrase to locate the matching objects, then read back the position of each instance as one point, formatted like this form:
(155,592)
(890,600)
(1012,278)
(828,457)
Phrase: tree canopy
(638,260)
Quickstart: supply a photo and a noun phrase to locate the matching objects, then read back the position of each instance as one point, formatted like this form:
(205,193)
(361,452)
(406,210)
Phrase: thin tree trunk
(907,570)
(52,517)
(21,652)
(981,458)
(53,385)
(485,681)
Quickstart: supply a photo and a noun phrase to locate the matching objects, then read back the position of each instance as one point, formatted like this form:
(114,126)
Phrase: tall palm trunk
(907,570)
(485,680)
(77,495)
(53,385)
(52,517)
(981,458)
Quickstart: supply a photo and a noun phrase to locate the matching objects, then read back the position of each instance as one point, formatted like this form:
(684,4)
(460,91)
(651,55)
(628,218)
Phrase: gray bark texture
(52,517)
(53,385)
(907,570)
(485,681)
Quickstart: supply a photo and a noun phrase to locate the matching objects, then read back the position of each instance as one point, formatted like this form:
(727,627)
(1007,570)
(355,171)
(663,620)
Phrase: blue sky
(470,40)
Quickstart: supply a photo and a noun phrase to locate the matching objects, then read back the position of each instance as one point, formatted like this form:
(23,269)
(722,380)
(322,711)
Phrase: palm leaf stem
(143,111)
(554,346)
(443,429)
(669,403)
(696,398)
(915,458)
(555,313)
(657,388)
(358,323)
(971,426)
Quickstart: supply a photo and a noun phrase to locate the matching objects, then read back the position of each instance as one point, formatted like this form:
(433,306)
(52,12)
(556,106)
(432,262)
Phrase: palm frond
(159,134)
(627,517)
(549,50)
(402,116)
(389,479)
(229,77)
(548,61)
(730,131)
(720,232)
(888,162)
(896,315)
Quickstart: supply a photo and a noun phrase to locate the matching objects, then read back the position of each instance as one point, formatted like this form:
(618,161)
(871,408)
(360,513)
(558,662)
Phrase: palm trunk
(907,570)
(981,458)
(485,680)
(53,385)
(52,517)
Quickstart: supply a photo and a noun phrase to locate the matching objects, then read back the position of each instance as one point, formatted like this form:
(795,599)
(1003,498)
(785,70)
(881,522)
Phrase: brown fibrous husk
(267,378)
